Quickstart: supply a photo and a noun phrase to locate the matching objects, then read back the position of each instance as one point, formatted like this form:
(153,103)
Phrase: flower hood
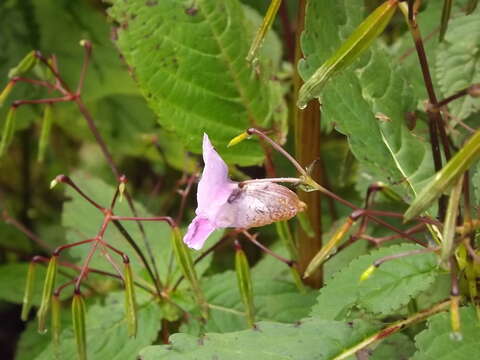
(223,203)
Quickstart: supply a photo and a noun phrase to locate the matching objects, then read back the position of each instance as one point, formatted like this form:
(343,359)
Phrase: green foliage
(106,335)
(182,70)
(388,289)
(368,101)
(275,300)
(395,347)
(437,342)
(447,176)
(83,221)
(13,278)
(352,48)
(189,62)
(311,338)
(458,64)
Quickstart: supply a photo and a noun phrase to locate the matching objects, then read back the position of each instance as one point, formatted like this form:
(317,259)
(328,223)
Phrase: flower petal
(214,187)
(198,232)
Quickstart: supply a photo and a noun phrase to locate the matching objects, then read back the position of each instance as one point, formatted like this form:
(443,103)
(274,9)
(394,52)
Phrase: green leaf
(31,344)
(359,41)
(106,336)
(396,347)
(13,278)
(312,338)
(446,177)
(389,288)
(189,61)
(437,343)
(73,22)
(458,64)
(275,300)
(368,100)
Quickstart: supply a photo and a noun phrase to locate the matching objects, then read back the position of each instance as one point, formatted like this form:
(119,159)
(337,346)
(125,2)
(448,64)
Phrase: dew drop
(302,105)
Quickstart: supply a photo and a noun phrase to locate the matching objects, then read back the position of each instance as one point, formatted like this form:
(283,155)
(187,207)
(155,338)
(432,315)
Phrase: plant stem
(392,329)
(435,124)
(307,150)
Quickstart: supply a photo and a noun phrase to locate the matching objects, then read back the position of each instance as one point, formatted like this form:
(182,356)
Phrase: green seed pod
(245,284)
(185,263)
(130,303)
(56,320)
(78,317)
(24,65)
(45,132)
(5,92)
(262,31)
(27,297)
(8,130)
(284,233)
(47,294)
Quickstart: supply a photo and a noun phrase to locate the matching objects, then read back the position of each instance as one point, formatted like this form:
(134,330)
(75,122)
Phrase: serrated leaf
(458,64)
(75,21)
(312,338)
(389,288)
(106,336)
(437,343)
(359,41)
(189,61)
(367,101)
(275,300)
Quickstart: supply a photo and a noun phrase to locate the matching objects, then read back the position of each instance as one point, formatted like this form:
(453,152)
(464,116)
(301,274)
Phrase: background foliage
(163,72)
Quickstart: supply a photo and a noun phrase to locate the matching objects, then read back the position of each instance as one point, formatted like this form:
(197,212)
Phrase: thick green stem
(307,150)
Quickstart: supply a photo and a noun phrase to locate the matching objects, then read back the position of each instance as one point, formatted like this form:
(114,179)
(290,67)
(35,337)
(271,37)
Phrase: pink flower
(223,203)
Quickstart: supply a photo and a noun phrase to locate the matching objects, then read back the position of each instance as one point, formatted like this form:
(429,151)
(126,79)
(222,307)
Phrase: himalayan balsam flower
(222,203)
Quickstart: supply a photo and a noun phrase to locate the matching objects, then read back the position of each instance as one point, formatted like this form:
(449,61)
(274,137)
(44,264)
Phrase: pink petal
(198,232)
(214,187)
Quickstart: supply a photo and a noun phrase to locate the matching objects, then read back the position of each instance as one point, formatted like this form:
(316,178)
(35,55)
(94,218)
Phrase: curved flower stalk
(223,203)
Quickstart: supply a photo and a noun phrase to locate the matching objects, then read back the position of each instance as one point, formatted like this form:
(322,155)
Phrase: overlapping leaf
(390,287)
(106,334)
(368,102)
(309,339)
(458,64)
(437,342)
(189,61)
(275,300)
